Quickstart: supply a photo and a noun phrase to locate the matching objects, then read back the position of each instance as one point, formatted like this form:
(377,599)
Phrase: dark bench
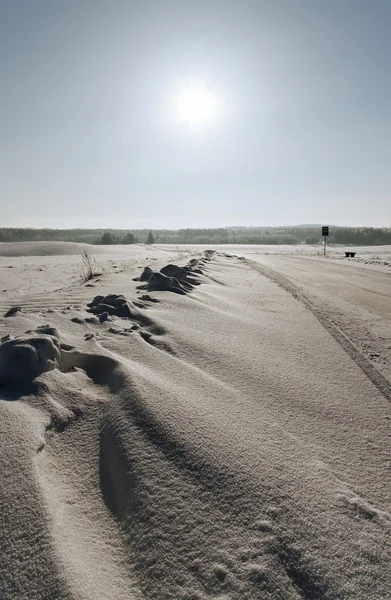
(350,254)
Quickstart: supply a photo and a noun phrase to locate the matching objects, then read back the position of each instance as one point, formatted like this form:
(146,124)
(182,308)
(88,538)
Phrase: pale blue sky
(89,135)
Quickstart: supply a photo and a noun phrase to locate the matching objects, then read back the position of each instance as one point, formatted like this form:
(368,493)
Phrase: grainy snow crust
(231,443)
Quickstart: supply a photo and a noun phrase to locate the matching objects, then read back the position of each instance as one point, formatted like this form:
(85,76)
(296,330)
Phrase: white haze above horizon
(150,114)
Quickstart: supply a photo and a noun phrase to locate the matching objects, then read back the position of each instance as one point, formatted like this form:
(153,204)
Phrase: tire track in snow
(382,384)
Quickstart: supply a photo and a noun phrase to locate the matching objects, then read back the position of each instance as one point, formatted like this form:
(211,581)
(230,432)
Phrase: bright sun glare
(197,106)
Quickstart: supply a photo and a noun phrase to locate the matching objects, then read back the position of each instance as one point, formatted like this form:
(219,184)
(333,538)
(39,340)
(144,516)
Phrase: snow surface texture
(227,446)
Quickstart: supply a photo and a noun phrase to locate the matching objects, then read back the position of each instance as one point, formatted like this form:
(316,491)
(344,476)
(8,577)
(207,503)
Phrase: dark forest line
(363,236)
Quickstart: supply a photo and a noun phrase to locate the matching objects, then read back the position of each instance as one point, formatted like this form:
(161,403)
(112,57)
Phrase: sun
(197,106)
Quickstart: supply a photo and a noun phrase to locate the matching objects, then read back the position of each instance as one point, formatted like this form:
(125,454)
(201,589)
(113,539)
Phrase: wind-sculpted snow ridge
(180,280)
(172,278)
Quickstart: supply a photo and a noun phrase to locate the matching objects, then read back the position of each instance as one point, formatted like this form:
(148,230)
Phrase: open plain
(230,440)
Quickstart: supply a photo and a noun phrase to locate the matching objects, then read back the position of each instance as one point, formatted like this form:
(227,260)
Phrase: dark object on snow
(174,271)
(173,278)
(350,254)
(78,320)
(25,357)
(160,282)
(13,311)
(95,301)
(117,305)
(146,274)
(93,320)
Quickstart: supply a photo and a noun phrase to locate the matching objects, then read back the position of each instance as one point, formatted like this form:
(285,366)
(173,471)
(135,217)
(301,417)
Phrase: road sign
(325,233)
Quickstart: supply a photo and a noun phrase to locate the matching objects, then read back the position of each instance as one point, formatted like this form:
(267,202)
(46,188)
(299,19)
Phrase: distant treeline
(363,236)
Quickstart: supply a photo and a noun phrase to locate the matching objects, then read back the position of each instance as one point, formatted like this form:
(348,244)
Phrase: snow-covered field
(228,443)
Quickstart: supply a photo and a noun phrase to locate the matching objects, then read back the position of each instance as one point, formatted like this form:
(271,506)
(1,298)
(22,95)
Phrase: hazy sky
(296,126)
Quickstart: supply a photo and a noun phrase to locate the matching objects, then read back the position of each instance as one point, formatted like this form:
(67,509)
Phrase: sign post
(325,233)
